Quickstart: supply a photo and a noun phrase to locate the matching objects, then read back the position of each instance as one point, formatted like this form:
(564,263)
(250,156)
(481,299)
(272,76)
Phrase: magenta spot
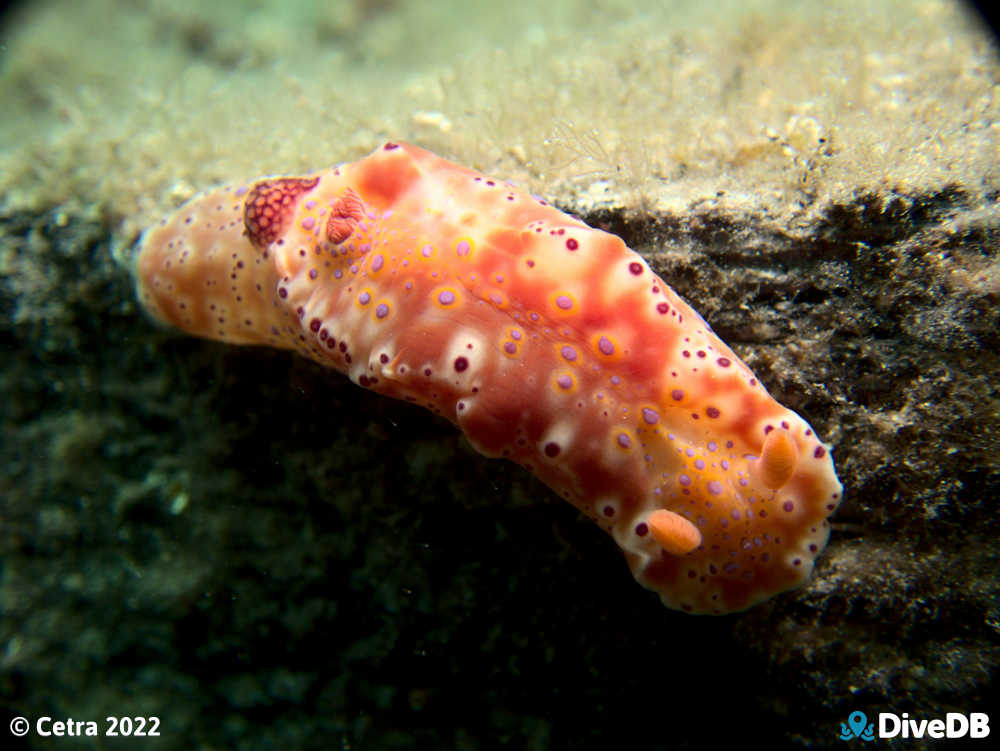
(677,395)
(684,480)
(313,273)
(564,302)
(624,441)
(390,146)
(462,248)
(788,506)
(377,262)
(461,364)
(641,529)
(715,487)
(510,348)
(700,353)
(282,293)
(572,244)
(609,510)
(552,449)
(447,297)
(723,362)
(426,251)
(364,298)
(650,416)
(662,308)
(635,268)
(381,310)
(564,381)
(383,358)
(820,452)
(314,325)
(686,353)
(568,353)
(712,412)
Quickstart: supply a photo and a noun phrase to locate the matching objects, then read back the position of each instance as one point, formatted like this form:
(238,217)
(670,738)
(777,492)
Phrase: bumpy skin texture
(546,341)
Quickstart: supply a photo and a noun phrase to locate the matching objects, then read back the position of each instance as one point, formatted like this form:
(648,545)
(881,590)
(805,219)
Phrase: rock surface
(261,554)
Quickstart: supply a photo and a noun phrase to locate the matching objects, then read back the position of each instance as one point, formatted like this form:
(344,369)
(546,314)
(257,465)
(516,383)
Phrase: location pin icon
(857,721)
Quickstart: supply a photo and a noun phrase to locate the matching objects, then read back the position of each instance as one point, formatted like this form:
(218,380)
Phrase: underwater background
(259,554)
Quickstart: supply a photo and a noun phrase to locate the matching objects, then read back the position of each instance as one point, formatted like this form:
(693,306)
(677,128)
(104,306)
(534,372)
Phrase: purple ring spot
(515,334)
(462,248)
(381,310)
(684,480)
(563,302)
(308,223)
(377,262)
(788,506)
(564,381)
(447,297)
(552,449)
(568,353)
(712,412)
(624,441)
(461,364)
(605,346)
(426,251)
(649,416)
(364,298)
(699,464)
(715,487)
(510,348)
(677,395)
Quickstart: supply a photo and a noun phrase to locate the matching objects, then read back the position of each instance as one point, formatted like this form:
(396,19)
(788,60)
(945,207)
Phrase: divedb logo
(890,725)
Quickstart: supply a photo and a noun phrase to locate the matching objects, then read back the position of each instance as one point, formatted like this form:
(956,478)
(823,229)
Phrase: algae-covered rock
(256,552)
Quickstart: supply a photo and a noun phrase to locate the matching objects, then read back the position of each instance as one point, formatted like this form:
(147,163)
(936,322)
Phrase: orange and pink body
(546,341)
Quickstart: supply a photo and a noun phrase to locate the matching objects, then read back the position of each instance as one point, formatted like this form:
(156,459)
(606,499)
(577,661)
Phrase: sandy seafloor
(262,555)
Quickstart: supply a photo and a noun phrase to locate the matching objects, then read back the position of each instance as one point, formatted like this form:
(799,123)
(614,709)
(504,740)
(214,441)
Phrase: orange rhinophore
(546,341)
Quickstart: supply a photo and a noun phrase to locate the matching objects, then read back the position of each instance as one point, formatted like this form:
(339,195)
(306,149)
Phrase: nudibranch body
(546,341)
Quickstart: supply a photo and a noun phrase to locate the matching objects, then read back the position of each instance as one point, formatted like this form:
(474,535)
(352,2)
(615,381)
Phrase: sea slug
(546,341)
